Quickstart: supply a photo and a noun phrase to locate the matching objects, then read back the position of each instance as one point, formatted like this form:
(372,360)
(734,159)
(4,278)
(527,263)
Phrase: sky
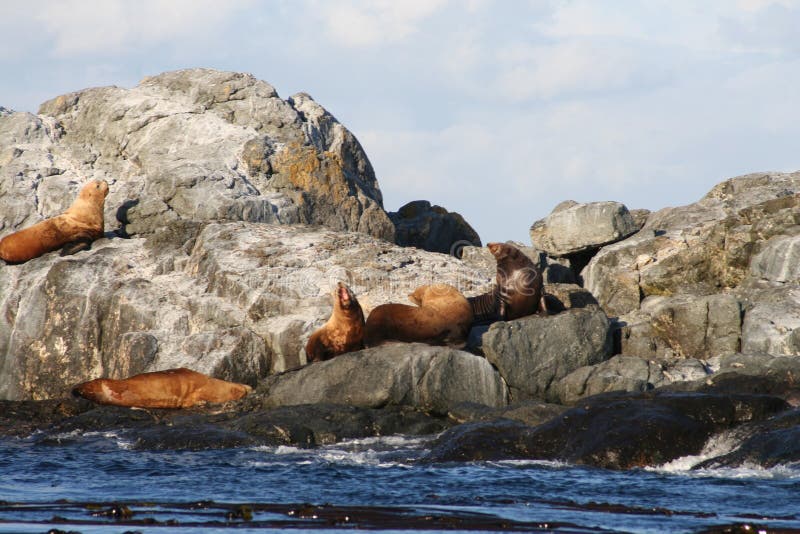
(498,110)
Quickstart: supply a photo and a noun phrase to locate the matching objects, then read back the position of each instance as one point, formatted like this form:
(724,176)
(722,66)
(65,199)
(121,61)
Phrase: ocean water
(99,482)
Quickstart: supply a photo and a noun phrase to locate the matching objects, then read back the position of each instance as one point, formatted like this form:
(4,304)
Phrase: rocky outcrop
(190,145)
(534,352)
(234,300)
(433,228)
(700,249)
(434,379)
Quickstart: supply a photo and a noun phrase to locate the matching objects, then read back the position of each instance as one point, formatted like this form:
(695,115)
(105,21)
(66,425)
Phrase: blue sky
(496,109)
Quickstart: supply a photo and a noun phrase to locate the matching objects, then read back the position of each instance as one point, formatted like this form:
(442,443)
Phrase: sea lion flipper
(74,247)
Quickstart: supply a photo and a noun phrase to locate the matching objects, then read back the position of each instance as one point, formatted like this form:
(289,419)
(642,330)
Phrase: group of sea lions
(441,315)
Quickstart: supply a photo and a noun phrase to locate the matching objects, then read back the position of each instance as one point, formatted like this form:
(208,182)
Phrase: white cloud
(360,23)
(578,66)
(119,26)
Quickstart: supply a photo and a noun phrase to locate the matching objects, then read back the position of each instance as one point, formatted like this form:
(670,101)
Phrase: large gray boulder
(235,300)
(534,352)
(435,379)
(772,322)
(197,145)
(573,227)
(683,326)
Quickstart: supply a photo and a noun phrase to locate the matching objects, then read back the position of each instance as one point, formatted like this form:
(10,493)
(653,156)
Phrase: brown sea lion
(173,388)
(74,229)
(442,316)
(344,331)
(519,288)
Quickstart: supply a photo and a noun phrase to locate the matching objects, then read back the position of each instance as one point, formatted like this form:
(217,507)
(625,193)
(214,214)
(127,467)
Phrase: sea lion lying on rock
(74,229)
(442,316)
(519,290)
(173,388)
(344,331)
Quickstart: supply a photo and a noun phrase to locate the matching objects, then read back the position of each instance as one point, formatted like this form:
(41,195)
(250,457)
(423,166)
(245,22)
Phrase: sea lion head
(95,190)
(501,251)
(344,298)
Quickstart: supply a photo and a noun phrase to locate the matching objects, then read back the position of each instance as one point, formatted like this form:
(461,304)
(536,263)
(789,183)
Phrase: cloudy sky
(495,109)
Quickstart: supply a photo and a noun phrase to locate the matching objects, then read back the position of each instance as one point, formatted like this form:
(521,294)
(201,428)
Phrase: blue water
(40,480)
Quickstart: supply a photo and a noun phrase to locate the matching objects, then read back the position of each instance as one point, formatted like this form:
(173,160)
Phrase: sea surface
(99,482)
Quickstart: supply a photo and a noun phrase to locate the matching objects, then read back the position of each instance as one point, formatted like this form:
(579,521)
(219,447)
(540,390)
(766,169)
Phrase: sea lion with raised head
(518,291)
(344,331)
(173,388)
(74,229)
(442,316)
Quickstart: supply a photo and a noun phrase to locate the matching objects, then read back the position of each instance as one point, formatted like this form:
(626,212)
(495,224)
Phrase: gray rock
(683,326)
(629,374)
(197,145)
(433,228)
(581,227)
(431,378)
(620,373)
(779,261)
(234,300)
(700,249)
(534,352)
(772,322)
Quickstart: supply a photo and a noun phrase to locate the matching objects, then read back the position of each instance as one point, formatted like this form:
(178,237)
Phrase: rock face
(234,300)
(533,352)
(435,379)
(433,228)
(700,249)
(573,227)
(190,145)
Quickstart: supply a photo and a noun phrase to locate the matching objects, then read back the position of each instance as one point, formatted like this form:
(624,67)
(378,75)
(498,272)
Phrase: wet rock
(768,444)
(245,423)
(615,431)
(534,352)
(531,413)
(410,374)
(573,228)
(432,228)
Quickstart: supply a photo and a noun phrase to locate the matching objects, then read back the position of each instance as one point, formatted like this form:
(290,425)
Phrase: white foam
(382,451)
(716,446)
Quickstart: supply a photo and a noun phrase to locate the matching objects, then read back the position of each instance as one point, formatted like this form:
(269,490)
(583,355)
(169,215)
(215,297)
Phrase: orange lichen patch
(306,170)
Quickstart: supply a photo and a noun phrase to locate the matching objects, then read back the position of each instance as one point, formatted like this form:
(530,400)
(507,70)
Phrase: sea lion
(344,331)
(518,291)
(442,316)
(173,388)
(74,229)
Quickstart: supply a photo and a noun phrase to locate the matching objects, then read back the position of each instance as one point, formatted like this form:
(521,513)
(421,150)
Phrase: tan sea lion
(173,388)
(519,288)
(344,331)
(442,316)
(74,229)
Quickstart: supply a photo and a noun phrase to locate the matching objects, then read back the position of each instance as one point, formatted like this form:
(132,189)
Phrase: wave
(384,451)
(720,445)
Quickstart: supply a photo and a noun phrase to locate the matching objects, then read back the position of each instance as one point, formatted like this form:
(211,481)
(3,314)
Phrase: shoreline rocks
(232,214)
